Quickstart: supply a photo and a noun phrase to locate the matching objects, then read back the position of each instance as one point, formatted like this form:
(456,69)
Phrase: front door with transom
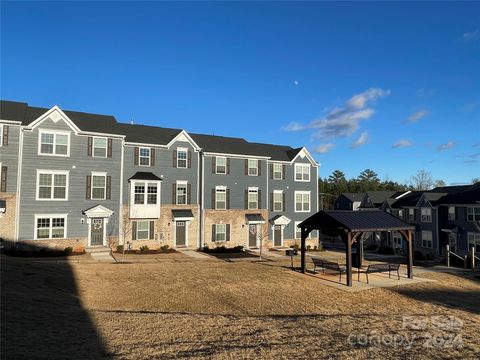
(96,231)
(277,235)
(252,235)
(180,233)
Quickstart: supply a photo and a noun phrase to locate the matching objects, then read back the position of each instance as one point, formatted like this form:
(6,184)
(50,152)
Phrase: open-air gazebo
(351,225)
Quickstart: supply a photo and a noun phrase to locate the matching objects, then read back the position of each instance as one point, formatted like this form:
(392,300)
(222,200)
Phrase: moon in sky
(295,82)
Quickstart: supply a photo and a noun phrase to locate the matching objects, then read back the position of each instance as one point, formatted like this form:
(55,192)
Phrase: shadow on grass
(41,313)
(229,257)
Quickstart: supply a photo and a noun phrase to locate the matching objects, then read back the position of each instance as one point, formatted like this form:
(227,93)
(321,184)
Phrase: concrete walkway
(196,254)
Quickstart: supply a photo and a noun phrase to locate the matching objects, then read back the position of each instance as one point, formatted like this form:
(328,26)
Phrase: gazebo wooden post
(304,234)
(410,255)
(349,259)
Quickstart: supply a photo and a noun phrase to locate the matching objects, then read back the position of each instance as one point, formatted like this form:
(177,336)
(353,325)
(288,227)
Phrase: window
(181,192)
(451,213)
(99,147)
(411,214)
(143,230)
(302,172)
(50,227)
(252,167)
(400,214)
(221,165)
(141,189)
(474,241)
(298,231)
(426,214)
(182,155)
(427,239)
(277,200)
(252,198)
(144,156)
(54,143)
(99,184)
(221,198)
(1,135)
(52,185)
(220,232)
(277,171)
(302,201)
(473,214)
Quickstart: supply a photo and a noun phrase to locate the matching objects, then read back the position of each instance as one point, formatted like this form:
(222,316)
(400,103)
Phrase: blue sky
(388,86)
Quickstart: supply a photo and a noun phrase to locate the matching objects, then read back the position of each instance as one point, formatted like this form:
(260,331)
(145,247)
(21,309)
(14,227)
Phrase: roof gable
(55,114)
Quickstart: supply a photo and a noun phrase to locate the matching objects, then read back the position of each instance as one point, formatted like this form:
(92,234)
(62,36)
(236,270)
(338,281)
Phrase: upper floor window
(411,214)
(181,192)
(277,171)
(400,214)
(220,198)
(99,186)
(277,200)
(451,213)
(473,213)
(3,135)
(302,172)
(54,143)
(220,165)
(252,198)
(50,227)
(427,239)
(182,157)
(302,201)
(52,185)
(144,156)
(99,147)
(145,193)
(252,167)
(426,214)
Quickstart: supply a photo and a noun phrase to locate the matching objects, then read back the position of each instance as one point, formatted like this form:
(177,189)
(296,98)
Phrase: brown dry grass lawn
(183,308)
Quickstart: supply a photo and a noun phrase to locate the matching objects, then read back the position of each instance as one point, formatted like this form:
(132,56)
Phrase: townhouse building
(85,180)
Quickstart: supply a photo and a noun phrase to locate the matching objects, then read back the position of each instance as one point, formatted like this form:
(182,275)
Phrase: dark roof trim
(139,175)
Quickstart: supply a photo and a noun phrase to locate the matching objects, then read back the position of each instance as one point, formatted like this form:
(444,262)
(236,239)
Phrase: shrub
(308,247)
(164,248)
(222,249)
(68,250)
(119,248)
(144,248)
(295,246)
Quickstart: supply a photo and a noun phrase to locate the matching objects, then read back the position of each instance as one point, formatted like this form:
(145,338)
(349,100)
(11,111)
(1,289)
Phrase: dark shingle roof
(354,196)
(11,110)
(184,213)
(470,195)
(140,175)
(365,220)
(147,134)
(378,197)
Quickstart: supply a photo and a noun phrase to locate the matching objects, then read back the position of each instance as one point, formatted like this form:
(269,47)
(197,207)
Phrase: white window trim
(1,134)
(54,132)
(181,149)
(106,146)
(473,213)
(50,216)
(300,231)
(427,240)
(145,199)
(253,190)
(474,241)
(281,202)
(216,233)
(451,218)
(425,218)
(248,167)
(302,166)
(216,165)
(183,183)
(281,171)
(148,229)
(104,174)
(51,172)
(309,202)
(149,155)
(221,188)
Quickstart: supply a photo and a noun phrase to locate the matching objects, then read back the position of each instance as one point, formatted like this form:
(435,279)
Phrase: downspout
(120,208)
(19,186)
(201,198)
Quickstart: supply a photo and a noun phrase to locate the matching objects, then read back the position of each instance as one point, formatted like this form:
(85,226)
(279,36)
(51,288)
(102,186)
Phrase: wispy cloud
(471,36)
(476,145)
(424,93)
(471,162)
(417,116)
(470,106)
(362,140)
(324,148)
(402,143)
(343,121)
(446,146)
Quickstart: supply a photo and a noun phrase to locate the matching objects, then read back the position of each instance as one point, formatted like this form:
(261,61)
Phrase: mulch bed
(147,252)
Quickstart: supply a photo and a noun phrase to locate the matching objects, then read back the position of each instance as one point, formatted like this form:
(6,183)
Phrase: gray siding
(79,166)
(9,156)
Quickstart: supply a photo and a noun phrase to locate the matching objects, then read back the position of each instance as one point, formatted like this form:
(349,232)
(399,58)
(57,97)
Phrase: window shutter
(213,232)
(109,148)
(174,158)
(271,171)
(152,230)
(3,184)
(214,165)
(189,193)
(88,193)
(213,199)
(246,199)
(228,199)
(246,166)
(152,157)
(189,158)
(228,165)
(259,168)
(108,190)
(283,201)
(283,171)
(90,146)
(135,160)
(174,194)
(271,201)
(5,135)
(227,232)
(134,230)
(259,199)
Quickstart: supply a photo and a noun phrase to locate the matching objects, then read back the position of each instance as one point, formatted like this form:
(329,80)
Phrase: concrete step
(97,249)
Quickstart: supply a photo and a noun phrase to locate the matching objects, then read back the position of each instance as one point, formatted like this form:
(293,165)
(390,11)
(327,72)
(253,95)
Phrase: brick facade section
(7,219)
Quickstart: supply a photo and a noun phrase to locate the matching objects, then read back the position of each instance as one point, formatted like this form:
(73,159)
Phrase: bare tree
(440,183)
(262,233)
(422,180)
(126,227)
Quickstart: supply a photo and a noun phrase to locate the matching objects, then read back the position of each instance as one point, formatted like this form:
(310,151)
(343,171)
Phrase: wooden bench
(328,266)
(374,268)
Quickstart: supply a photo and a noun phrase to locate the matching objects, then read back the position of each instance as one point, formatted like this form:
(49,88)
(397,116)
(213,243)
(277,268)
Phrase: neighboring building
(78,179)
(348,201)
